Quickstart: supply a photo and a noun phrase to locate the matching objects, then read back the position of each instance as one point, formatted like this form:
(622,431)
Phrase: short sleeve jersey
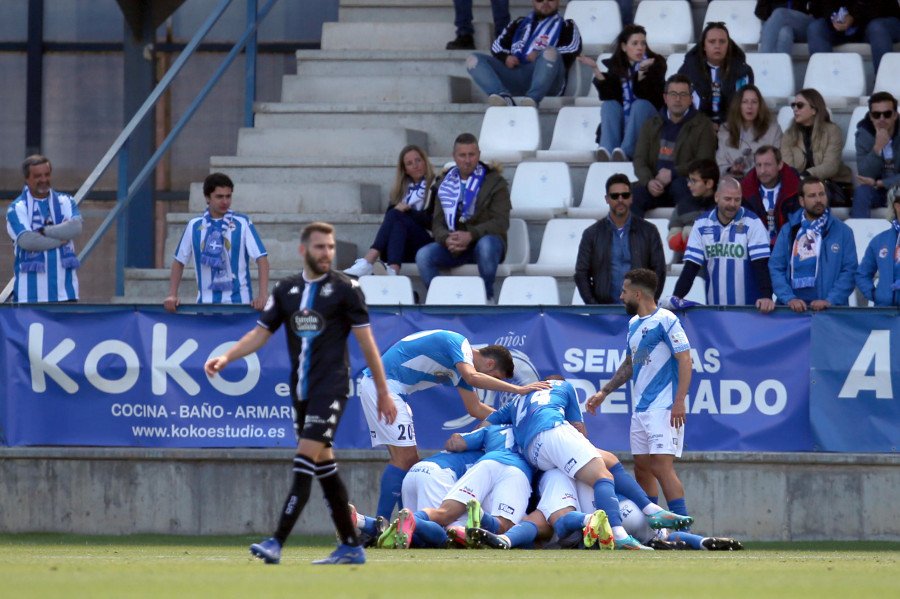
(539,411)
(499,444)
(458,462)
(653,342)
(727,250)
(426,359)
(324,311)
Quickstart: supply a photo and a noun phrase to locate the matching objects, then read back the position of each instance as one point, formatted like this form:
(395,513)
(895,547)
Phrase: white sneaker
(360,268)
(391,272)
(619,155)
(526,101)
(603,155)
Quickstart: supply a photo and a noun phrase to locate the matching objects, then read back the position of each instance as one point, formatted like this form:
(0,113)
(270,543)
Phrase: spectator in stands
(222,243)
(748,126)
(614,245)
(668,143)
(837,22)
(731,243)
(407,224)
(784,22)
(471,217)
(631,89)
(531,57)
(717,67)
(882,257)
(42,224)
(465,32)
(771,190)
(877,155)
(883,28)
(813,145)
(813,263)
(703,179)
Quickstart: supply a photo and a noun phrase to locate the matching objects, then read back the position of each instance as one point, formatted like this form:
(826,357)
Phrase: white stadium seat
(864,229)
(593,200)
(673,62)
(849,152)
(697,292)
(540,190)
(743,25)
(838,76)
(669,24)
(888,77)
(529,291)
(559,247)
(509,133)
(598,21)
(381,290)
(456,291)
(662,225)
(574,135)
(577,300)
(518,252)
(589,96)
(773,74)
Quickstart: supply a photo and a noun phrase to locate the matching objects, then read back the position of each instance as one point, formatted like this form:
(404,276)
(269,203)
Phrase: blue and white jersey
(499,445)
(426,359)
(56,283)
(459,462)
(653,342)
(242,244)
(727,250)
(539,411)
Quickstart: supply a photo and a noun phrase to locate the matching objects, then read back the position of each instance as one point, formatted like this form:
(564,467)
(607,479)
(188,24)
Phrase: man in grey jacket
(877,153)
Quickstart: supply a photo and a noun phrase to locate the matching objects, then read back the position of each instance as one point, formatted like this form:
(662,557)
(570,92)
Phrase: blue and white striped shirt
(653,342)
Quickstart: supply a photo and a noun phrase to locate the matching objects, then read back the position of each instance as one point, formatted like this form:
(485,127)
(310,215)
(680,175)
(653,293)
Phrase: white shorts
(635,521)
(561,447)
(557,492)
(652,432)
(425,485)
(502,490)
(399,434)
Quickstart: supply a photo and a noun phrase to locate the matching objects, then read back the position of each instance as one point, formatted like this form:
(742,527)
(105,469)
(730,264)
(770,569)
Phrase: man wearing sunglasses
(614,245)
(877,153)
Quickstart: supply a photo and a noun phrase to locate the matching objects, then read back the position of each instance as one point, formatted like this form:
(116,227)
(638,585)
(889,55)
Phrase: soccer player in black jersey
(321,307)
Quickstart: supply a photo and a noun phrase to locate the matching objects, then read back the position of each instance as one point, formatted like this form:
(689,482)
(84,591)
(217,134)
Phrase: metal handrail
(116,149)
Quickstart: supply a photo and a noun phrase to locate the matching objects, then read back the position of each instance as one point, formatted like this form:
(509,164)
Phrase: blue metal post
(250,66)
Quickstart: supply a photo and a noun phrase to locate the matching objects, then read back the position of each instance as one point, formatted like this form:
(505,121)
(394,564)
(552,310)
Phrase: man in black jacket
(614,245)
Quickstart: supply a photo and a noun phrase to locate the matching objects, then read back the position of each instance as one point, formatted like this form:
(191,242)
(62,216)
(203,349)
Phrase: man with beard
(813,263)
(321,307)
(658,361)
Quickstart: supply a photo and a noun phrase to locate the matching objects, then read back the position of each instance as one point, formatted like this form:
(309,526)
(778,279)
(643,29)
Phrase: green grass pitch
(168,567)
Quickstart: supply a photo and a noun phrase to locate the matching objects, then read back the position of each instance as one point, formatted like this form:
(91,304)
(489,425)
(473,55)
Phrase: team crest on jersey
(294,290)
(883,252)
(307,323)
(836,248)
(739,228)
(327,290)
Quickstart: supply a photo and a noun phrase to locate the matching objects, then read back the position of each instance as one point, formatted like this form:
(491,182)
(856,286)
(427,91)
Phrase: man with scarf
(667,145)
(813,263)
(883,257)
(43,223)
(877,154)
(530,58)
(222,242)
(471,217)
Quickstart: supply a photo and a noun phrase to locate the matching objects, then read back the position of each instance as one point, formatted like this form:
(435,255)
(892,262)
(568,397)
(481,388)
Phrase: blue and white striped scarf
(415,195)
(35,261)
(449,195)
(808,244)
(628,96)
(530,37)
(216,248)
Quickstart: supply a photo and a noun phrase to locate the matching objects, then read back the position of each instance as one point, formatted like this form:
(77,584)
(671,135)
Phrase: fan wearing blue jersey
(222,243)
(733,245)
(420,361)
(658,361)
(42,223)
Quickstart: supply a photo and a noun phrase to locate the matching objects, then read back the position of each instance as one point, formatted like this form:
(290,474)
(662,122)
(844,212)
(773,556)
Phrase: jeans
(866,197)
(823,37)
(782,29)
(463,16)
(399,237)
(619,131)
(487,253)
(543,77)
(882,34)
(676,194)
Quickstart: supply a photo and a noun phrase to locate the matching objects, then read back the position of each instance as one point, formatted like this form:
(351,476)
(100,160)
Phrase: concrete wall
(773,497)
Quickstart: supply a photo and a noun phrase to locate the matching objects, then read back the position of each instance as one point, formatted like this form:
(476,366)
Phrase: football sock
(653,498)
(695,541)
(628,487)
(522,533)
(431,533)
(678,506)
(605,499)
(336,496)
(489,523)
(304,470)
(389,496)
(569,522)
(368,526)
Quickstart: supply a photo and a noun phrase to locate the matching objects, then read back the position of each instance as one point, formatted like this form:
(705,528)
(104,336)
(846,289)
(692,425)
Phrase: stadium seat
(456,291)
(518,252)
(541,190)
(697,292)
(888,77)
(509,133)
(598,21)
(838,76)
(529,291)
(864,229)
(786,116)
(849,152)
(662,225)
(383,290)
(773,74)
(743,25)
(587,95)
(669,24)
(593,200)
(577,300)
(673,62)
(559,247)
(574,135)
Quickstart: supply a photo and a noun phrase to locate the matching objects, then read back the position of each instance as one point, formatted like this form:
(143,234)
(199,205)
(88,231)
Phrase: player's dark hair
(216,180)
(316,227)
(644,279)
(617,179)
(502,359)
(707,168)
(810,180)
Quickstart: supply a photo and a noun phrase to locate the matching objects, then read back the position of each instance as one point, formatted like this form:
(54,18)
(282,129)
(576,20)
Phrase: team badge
(739,228)
(836,248)
(327,290)
(307,323)
(294,291)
